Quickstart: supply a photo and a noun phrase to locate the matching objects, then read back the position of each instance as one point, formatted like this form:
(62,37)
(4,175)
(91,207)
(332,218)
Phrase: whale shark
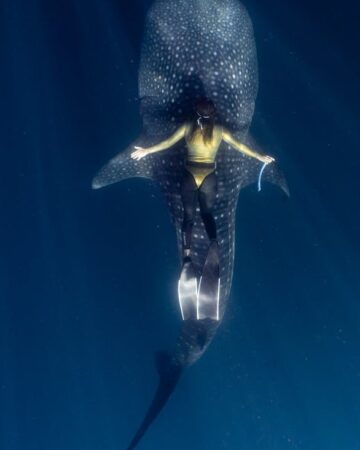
(190,49)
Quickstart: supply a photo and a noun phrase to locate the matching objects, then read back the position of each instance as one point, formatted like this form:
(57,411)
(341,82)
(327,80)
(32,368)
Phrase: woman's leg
(189,193)
(207,197)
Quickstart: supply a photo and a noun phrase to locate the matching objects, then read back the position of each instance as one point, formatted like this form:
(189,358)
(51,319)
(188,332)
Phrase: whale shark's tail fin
(169,374)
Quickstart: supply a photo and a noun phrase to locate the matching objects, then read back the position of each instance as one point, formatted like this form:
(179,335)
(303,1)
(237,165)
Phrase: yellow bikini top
(200,151)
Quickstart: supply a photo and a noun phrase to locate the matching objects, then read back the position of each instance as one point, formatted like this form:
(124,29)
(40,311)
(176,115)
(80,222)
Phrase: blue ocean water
(88,278)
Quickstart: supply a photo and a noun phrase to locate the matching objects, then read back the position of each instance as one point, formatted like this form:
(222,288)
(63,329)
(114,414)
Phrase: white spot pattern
(192,48)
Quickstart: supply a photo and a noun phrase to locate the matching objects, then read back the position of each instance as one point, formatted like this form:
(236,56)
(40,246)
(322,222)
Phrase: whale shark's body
(194,48)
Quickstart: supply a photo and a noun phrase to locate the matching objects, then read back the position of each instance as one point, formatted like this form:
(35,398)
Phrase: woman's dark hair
(205,112)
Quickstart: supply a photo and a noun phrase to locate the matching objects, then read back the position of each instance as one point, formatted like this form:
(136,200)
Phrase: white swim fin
(208,299)
(188,290)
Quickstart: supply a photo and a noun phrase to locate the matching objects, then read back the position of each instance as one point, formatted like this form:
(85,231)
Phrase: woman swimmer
(199,182)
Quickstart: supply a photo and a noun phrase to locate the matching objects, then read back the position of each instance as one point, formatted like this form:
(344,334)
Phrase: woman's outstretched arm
(244,148)
(167,143)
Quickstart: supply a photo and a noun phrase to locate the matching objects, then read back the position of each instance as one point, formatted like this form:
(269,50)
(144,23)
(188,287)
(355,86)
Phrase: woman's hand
(266,159)
(140,153)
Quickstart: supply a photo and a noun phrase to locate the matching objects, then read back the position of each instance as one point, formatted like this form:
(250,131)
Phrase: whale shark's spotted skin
(192,48)
(195,48)
(199,46)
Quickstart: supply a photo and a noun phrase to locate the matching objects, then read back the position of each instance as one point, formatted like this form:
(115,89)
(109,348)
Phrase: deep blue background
(88,279)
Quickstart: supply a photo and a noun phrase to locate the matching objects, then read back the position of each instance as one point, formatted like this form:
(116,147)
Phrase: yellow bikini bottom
(199,171)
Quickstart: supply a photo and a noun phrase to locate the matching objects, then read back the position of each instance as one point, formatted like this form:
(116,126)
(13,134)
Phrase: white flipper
(187,290)
(207,306)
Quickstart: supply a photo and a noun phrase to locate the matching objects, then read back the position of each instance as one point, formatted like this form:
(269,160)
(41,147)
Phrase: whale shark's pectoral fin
(271,173)
(122,166)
